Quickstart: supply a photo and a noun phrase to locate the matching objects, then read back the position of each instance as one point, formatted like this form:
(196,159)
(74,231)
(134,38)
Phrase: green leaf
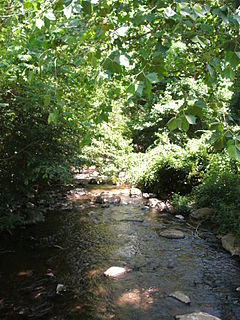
(52,118)
(172,124)
(219,144)
(200,104)
(211,70)
(184,125)
(190,119)
(152,77)
(39,23)
(233,151)
(197,40)
(47,99)
(169,12)
(139,86)
(87,6)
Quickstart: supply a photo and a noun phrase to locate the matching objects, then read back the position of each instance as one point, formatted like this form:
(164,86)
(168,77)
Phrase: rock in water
(172,234)
(115,272)
(179,217)
(135,193)
(154,203)
(180,296)
(196,316)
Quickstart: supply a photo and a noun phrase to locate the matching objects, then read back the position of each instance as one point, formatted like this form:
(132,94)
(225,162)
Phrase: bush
(181,204)
(221,190)
(170,168)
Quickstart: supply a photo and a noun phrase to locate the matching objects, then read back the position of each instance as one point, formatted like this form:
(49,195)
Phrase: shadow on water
(74,249)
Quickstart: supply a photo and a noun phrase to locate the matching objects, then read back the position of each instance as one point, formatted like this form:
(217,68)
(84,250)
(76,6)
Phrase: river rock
(172,234)
(179,217)
(135,193)
(115,272)
(197,316)
(180,296)
(154,203)
(230,243)
(202,213)
(114,200)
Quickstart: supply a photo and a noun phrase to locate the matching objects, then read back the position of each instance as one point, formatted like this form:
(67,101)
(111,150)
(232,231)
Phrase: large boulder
(230,243)
(172,234)
(197,316)
(202,213)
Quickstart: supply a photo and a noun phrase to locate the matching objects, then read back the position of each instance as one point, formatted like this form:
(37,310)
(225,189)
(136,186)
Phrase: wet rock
(202,213)
(161,206)
(179,217)
(180,296)
(146,195)
(115,272)
(135,193)
(60,288)
(169,208)
(196,316)
(172,234)
(105,205)
(114,200)
(154,203)
(230,243)
(102,198)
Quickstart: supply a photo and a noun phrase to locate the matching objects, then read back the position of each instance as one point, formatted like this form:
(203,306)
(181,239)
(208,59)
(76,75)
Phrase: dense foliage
(147,89)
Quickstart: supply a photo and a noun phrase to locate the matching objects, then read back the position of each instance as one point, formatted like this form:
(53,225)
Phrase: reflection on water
(75,248)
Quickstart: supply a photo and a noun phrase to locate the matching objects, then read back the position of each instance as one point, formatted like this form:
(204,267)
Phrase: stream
(54,270)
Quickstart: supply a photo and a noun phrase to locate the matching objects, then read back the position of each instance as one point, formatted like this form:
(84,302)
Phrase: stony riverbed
(55,270)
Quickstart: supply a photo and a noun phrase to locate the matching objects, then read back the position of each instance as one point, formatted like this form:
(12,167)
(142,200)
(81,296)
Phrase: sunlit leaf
(50,16)
(190,119)
(122,31)
(39,23)
(169,12)
(124,61)
(68,11)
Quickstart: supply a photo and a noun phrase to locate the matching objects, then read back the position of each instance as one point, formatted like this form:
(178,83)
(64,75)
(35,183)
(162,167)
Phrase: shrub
(170,168)
(180,203)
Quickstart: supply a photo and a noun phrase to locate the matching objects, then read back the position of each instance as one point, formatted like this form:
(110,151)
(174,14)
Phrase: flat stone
(172,234)
(115,272)
(230,243)
(197,316)
(180,296)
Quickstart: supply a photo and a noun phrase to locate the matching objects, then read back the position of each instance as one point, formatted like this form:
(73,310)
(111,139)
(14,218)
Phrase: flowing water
(74,248)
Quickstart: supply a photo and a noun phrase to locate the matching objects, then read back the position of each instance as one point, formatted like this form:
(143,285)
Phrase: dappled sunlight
(137,298)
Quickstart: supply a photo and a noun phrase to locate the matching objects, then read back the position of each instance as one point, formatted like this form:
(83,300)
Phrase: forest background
(148,91)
